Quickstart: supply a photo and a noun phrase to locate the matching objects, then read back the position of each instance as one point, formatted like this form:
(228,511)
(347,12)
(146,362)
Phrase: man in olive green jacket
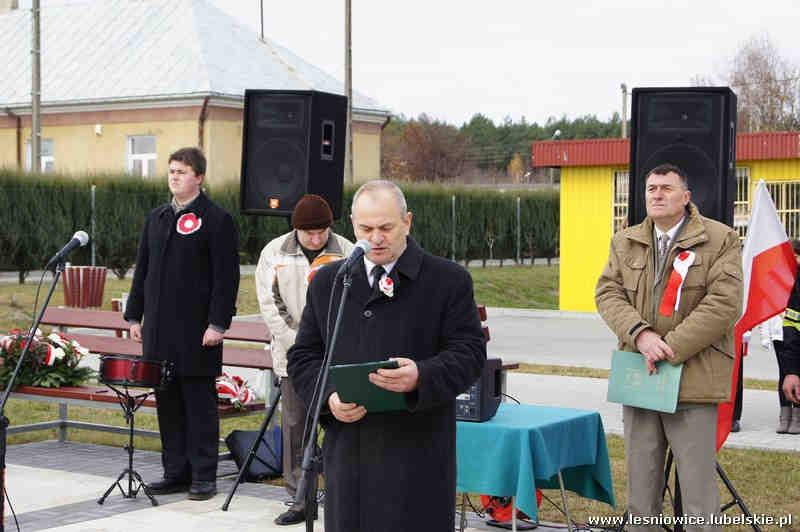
(693,327)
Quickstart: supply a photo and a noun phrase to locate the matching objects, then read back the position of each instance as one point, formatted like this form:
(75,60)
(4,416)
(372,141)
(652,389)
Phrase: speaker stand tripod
(677,504)
(254,449)
(130,404)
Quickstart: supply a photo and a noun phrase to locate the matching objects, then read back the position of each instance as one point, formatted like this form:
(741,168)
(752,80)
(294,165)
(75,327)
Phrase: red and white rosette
(386,285)
(672,293)
(189,223)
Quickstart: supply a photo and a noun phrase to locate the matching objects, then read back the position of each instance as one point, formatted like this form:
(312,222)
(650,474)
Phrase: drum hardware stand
(130,404)
(254,449)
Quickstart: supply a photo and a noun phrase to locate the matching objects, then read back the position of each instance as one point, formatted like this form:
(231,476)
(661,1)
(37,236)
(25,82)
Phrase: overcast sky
(532,58)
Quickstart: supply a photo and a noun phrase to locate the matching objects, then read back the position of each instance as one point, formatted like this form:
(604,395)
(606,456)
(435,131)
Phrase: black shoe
(202,490)
(168,485)
(291,517)
(735,426)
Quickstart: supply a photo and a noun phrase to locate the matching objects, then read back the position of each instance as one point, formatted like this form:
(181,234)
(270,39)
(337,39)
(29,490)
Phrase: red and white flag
(769,270)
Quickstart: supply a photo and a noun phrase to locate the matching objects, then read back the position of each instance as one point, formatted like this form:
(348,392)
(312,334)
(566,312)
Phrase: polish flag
(769,271)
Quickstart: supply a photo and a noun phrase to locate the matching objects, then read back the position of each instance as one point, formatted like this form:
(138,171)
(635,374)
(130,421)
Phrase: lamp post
(348,91)
(36,90)
(624,110)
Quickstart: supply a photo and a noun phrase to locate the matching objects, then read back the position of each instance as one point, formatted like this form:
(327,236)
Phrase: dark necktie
(377,273)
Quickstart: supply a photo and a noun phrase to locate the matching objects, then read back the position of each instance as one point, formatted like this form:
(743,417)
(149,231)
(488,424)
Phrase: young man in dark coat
(185,287)
(395,471)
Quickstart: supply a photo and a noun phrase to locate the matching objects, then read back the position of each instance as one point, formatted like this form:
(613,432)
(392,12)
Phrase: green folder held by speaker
(630,384)
(351,382)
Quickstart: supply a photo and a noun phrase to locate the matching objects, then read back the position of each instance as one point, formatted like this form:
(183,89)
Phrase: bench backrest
(233,355)
(84,286)
(110,320)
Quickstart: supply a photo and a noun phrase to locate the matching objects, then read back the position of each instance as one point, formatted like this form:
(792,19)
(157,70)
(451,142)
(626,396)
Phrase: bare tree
(423,149)
(767,86)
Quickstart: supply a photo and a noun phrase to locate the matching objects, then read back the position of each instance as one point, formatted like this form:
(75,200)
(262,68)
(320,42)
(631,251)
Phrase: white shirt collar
(671,232)
(368,264)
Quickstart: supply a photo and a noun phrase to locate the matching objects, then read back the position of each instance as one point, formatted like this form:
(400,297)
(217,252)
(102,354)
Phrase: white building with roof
(126,82)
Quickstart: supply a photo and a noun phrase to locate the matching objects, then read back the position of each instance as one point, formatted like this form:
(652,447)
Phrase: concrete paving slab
(64,466)
(35,489)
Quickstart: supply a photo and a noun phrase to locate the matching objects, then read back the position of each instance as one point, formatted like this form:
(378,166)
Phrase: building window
(142,155)
(741,206)
(620,201)
(47,157)
(786,195)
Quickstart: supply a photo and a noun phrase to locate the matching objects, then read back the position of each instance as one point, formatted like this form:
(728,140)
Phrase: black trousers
(737,404)
(791,337)
(189,424)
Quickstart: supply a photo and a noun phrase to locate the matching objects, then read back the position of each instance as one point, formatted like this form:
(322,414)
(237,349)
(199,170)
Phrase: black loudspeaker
(480,402)
(293,144)
(693,128)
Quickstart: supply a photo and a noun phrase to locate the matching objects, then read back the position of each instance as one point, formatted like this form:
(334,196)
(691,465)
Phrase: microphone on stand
(79,239)
(362,248)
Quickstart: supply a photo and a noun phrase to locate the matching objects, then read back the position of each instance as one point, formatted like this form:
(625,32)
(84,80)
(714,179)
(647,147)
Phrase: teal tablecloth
(523,447)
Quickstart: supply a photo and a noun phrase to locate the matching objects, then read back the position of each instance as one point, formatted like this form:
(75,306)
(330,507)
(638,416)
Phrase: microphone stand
(58,268)
(312,459)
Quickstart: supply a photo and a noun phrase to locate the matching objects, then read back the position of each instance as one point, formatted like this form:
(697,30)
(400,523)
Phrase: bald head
(382,186)
(379,216)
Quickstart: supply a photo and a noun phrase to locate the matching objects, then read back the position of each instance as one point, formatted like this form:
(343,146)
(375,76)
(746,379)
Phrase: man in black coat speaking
(185,287)
(394,471)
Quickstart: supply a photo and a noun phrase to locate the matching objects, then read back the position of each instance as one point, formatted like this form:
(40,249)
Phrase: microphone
(362,248)
(79,239)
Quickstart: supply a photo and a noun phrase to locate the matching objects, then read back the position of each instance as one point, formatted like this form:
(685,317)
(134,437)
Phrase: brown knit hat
(312,212)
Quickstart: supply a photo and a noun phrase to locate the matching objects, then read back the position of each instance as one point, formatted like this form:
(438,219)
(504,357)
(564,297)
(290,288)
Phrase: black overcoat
(395,472)
(183,283)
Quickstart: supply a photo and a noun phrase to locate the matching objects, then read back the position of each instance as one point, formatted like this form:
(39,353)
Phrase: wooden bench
(101,396)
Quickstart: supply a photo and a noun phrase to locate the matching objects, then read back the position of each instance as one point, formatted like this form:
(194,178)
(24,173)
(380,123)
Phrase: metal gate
(786,195)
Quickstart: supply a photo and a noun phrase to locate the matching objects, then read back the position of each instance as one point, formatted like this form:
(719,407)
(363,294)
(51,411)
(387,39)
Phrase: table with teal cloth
(523,447)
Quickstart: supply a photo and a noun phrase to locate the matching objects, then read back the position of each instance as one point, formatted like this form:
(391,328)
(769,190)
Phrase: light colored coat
(700,331)
(281,285)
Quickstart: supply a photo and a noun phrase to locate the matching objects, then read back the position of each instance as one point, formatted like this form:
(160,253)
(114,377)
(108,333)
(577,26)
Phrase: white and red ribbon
(234,389)
(672,293)
(53,354)
(386,285)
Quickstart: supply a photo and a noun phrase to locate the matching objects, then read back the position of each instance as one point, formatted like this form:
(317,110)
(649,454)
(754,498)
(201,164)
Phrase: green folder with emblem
(630,384)
(351,382)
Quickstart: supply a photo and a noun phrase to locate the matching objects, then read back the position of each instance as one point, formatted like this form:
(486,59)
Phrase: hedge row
(38,214)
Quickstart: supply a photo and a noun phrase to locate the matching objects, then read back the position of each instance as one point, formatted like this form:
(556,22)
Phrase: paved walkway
(581,339)
(55,486)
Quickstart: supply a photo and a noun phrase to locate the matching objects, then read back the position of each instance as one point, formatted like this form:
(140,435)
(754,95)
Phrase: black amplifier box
(479,403)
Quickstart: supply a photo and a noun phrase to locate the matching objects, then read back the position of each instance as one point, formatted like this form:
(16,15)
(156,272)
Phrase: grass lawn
(517,286)
(767,482)
(509,286)
(578,371)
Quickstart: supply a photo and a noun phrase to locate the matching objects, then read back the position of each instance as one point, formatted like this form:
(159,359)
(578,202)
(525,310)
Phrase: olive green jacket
(700,331)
